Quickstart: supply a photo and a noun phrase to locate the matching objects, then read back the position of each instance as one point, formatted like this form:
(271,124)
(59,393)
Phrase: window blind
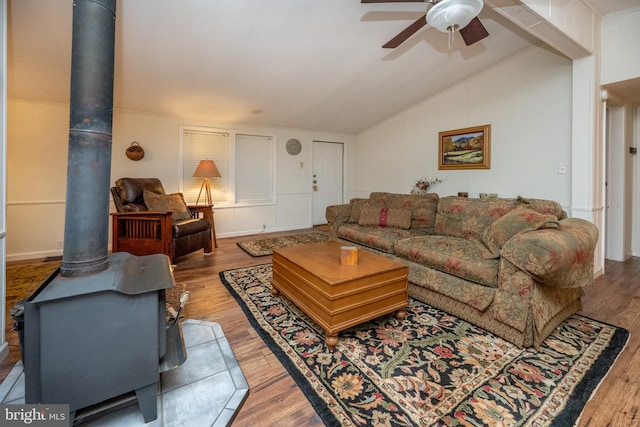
(255,169)
(205,145)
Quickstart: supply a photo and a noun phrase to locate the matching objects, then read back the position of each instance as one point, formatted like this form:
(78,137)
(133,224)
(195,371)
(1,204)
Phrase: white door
(327,178)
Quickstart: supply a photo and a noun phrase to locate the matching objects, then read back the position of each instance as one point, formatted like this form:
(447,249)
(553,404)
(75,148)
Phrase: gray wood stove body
(89,339)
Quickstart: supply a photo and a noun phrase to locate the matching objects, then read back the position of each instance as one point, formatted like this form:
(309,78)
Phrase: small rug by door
(262,247)
(432,368)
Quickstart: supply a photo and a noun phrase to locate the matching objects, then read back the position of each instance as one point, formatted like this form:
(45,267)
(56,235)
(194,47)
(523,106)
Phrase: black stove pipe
(89,160)
(97,330)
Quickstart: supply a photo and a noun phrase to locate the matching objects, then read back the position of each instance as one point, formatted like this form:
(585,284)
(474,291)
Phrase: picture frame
(466,148)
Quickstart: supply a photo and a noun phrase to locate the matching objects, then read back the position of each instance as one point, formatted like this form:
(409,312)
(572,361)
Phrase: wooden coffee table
(339,296)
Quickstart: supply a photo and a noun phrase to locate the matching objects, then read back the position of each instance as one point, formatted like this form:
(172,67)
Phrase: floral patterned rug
(432,369)
(262,247)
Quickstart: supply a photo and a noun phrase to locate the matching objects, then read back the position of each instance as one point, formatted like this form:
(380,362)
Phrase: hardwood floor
(615,299)
(274,398)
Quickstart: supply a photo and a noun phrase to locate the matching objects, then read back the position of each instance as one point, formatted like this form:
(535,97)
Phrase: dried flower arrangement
(423,184)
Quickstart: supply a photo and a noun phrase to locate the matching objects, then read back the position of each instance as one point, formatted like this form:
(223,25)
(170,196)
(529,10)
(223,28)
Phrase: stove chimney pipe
(89,160)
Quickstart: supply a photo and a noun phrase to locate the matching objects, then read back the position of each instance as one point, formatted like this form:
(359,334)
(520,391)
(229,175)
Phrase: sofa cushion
(424,218)
(423,208)
(514,222)
(561,257)
(376,200)
(454,255)
(468,293)
(380,238)
(548,207)
(468,217)
(357,205)
(167,203)
(386,217)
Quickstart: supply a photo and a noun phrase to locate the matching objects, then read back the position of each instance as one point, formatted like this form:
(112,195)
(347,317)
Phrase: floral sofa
(515,267)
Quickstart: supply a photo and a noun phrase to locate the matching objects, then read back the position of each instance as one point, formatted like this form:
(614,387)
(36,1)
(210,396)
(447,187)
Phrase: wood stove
(96,329)
(89,339)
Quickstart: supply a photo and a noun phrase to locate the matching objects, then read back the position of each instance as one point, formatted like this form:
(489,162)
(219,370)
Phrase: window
(245,161)
(255,169)
(205,144)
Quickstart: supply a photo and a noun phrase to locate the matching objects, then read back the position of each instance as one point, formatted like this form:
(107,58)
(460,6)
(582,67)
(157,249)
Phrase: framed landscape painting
(468,148)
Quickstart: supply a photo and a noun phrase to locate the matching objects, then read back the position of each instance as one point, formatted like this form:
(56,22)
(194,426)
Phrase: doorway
(328,161)
(620,191)
(615,185)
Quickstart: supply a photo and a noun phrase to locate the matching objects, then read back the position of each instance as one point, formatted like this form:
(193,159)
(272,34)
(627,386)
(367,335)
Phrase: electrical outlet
(59,244)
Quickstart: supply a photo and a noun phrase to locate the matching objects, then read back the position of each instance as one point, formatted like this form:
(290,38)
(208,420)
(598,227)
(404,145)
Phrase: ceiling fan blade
(391,1)
(474,32)
(406,33)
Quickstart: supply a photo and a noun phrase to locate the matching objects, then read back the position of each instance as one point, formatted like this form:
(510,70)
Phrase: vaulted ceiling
(310,64)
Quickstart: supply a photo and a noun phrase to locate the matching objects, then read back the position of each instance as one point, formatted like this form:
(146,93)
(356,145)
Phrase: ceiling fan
(447,16)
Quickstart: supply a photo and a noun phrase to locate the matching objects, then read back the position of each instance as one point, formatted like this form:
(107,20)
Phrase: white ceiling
(609,6)
(309,64)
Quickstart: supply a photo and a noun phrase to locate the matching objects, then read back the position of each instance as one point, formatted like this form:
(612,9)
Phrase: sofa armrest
(561,257)
(336,216)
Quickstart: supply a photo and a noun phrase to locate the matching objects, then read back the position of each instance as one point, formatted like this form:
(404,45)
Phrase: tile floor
(207,390)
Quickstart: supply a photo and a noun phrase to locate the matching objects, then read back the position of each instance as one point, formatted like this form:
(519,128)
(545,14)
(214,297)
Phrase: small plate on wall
(294,147)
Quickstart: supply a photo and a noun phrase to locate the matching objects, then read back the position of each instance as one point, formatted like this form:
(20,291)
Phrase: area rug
(262,247)
(432,368)
(23,279)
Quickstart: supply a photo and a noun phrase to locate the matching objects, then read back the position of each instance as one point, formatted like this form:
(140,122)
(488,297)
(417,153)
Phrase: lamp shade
(207,169)
(452,15)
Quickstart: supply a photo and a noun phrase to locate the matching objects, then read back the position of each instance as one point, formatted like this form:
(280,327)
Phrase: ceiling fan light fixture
(449,16)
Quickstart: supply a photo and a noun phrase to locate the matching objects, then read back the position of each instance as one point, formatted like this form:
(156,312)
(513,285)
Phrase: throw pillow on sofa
(513,222)
(357,205)
(167,203)
(376,200)
(398,218)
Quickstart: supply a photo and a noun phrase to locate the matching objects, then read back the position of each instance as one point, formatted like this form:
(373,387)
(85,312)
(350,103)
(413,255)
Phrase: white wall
(37,161)
(620,52)
(526,99)
(36,177)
